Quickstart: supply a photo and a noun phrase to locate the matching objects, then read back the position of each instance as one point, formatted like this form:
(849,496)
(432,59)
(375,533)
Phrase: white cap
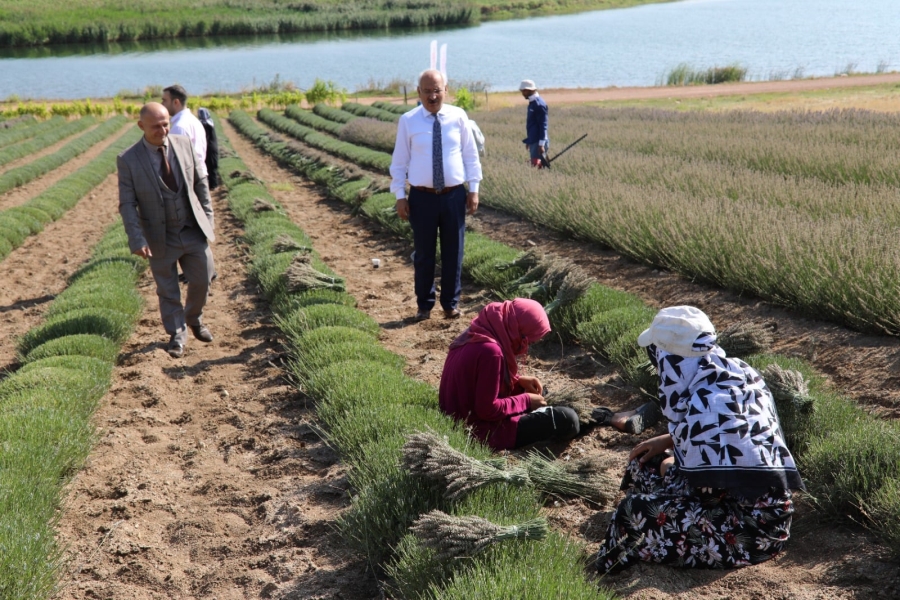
(676,328)
(527,84)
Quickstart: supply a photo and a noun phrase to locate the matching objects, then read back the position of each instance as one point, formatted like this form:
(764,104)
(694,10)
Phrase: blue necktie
(437,156)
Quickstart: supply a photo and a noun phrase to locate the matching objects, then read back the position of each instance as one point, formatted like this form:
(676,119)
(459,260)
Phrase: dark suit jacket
(141,202)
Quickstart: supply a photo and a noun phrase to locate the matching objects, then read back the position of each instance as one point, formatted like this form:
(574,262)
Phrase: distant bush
(325,91)
(464,99)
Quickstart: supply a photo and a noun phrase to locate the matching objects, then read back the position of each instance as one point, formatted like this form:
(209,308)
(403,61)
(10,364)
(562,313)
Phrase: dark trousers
(550,423)
(433,217)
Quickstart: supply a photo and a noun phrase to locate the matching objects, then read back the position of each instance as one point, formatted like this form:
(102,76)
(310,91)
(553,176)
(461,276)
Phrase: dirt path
(21,194)
(209,480)
(561,96)
(578,96)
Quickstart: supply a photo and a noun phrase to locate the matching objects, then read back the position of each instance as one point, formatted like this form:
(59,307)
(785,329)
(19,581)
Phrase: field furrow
(37,270)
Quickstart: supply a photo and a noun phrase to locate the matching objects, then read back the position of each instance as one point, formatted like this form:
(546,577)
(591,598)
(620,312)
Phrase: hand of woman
(650,448)
(536,401)
(531,385)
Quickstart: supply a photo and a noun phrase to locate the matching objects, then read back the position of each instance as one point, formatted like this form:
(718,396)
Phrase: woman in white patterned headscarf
(715,491)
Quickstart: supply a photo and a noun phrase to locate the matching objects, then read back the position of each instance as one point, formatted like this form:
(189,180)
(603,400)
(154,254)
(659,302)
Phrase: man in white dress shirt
(183,122)
(436,153)
(174,98)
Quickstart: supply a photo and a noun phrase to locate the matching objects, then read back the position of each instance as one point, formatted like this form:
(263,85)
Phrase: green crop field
(796,207)
(28,23)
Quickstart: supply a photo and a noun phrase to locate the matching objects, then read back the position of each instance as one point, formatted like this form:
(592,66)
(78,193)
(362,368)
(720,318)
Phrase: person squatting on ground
(722,498)
(436,153)
(168,217)
(537,124)
(481,385)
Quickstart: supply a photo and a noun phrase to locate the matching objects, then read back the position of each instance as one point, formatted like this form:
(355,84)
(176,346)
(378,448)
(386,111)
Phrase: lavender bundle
(526,260)
(260,205)
(302,276)
(583,479)
(576,399)
(285,243)
(574,285)
(795,406)
(452,537)
(431,456)
(747,337)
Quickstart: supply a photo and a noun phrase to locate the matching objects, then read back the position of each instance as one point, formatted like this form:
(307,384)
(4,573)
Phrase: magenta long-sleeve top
(472,390)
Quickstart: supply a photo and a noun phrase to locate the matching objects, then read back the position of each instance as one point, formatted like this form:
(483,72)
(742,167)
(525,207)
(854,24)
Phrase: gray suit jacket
(141,202)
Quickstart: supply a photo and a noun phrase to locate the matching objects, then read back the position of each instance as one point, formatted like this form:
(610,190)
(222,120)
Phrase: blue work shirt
(538,120)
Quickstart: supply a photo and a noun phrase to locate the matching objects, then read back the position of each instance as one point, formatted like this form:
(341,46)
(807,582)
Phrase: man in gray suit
(165,206)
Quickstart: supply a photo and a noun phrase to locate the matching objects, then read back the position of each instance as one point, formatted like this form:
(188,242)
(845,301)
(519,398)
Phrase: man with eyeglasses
(436,154)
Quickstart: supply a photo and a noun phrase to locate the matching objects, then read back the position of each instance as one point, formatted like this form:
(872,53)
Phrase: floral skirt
(663,519)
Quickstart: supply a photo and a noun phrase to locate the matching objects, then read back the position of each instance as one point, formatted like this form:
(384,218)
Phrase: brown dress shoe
(175,349)
(453,313)
(201,333)
(422,315)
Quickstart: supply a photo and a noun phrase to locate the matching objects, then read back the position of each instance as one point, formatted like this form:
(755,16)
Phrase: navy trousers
(433,217)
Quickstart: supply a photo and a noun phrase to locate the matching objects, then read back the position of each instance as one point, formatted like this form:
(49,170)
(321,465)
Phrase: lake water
(626,47)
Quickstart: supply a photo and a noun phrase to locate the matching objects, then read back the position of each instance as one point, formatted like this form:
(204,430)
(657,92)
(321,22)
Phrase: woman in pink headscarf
(481,384)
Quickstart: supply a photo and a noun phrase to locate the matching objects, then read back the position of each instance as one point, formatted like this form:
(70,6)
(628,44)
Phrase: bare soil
(209,479)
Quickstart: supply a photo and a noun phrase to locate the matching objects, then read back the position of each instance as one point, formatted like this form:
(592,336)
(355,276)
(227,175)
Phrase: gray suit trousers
(188,248)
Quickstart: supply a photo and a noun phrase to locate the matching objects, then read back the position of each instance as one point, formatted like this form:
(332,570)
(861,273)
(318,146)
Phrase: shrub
(325,91)
(83,344)
(111,324)
(327,315)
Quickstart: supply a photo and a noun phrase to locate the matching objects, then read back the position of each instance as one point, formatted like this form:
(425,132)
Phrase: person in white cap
(715,491)
(537,140)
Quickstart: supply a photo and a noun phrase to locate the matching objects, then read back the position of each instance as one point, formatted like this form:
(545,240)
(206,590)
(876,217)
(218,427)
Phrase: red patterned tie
(165,170)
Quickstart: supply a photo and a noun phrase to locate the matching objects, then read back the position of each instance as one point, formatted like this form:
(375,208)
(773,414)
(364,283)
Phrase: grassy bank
(39,22)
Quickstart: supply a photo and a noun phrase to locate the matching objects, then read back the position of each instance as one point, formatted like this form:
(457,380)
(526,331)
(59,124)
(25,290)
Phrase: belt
(429,190)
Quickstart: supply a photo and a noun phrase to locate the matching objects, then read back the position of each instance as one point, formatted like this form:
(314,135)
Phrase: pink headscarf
(512,324)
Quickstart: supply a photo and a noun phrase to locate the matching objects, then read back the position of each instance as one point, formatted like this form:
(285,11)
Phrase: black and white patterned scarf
(723,421)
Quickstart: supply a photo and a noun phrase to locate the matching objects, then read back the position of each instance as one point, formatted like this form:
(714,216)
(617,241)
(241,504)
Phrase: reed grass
(684,74)
(750,202)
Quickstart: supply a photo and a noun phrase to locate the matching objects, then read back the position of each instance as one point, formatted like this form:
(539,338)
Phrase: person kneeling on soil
(481,385)
(715,491)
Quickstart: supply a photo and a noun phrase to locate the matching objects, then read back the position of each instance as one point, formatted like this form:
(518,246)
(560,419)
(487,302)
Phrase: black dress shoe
(422,315)
(175,349)
(453,313)
(201,333)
